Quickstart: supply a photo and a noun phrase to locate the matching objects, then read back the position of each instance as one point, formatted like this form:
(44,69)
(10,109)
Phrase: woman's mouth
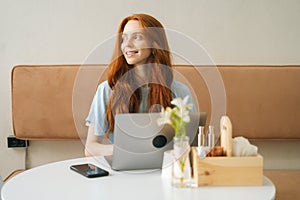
(131,53)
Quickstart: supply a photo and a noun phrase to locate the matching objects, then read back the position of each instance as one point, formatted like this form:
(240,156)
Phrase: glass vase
(181,167)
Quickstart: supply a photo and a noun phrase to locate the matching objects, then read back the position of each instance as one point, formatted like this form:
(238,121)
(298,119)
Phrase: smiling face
(135,46)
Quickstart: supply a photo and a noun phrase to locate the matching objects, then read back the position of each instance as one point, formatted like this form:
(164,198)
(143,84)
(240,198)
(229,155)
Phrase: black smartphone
(89,170)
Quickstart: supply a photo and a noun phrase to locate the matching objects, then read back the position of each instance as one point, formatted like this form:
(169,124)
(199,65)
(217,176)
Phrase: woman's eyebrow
(131,33)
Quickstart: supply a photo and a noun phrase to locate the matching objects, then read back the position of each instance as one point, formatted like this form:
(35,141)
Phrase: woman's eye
(138,37)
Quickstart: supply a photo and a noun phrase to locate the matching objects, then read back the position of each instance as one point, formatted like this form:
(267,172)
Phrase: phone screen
(89,170)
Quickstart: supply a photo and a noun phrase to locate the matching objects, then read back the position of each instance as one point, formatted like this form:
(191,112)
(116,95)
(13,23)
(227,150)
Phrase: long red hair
(126,96)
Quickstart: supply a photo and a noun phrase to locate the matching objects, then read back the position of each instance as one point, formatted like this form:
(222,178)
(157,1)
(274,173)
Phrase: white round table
(57,181)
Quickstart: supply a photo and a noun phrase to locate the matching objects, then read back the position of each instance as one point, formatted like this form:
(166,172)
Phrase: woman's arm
(93,147)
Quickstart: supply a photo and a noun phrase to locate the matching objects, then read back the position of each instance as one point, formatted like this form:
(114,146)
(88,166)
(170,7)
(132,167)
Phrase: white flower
(183,108)
(178,102)
(165,117)
(177,117)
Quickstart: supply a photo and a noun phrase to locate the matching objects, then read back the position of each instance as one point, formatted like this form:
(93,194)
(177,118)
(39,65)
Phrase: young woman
(140,79)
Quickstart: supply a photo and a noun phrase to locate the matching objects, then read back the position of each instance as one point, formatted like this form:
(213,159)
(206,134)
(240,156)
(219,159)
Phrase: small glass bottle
(211,137)
(181,166)
(201,136)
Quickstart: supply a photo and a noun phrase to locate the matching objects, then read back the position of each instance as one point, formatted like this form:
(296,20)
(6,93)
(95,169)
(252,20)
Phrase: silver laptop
(140,143)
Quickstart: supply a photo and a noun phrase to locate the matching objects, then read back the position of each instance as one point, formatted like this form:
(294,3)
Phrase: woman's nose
(127,43)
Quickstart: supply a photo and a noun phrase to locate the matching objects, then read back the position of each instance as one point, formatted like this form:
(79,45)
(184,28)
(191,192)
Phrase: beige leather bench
(50,103)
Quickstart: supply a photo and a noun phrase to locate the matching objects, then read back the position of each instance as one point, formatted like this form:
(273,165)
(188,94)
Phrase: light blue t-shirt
(98,107)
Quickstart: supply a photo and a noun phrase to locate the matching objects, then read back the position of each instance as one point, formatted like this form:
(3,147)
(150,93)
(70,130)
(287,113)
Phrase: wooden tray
(227,170)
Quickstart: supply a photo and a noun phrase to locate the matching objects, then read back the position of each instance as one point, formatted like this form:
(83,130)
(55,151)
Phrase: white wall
(65,31)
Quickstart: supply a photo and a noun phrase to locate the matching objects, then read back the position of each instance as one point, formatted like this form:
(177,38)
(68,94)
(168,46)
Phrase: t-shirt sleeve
(98,107)
(181,90)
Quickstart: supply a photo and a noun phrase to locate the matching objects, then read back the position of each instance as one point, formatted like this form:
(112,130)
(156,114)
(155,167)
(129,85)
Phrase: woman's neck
(141,74)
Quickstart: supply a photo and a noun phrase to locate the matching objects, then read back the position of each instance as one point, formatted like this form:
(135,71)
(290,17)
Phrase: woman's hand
(93,147)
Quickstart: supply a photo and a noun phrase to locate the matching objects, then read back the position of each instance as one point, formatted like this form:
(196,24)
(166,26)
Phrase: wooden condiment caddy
(225,171)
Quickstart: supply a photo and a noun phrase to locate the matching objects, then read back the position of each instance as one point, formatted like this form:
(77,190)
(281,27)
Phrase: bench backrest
(50,102)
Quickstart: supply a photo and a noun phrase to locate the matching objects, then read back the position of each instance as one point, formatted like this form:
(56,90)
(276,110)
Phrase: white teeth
(131,52)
